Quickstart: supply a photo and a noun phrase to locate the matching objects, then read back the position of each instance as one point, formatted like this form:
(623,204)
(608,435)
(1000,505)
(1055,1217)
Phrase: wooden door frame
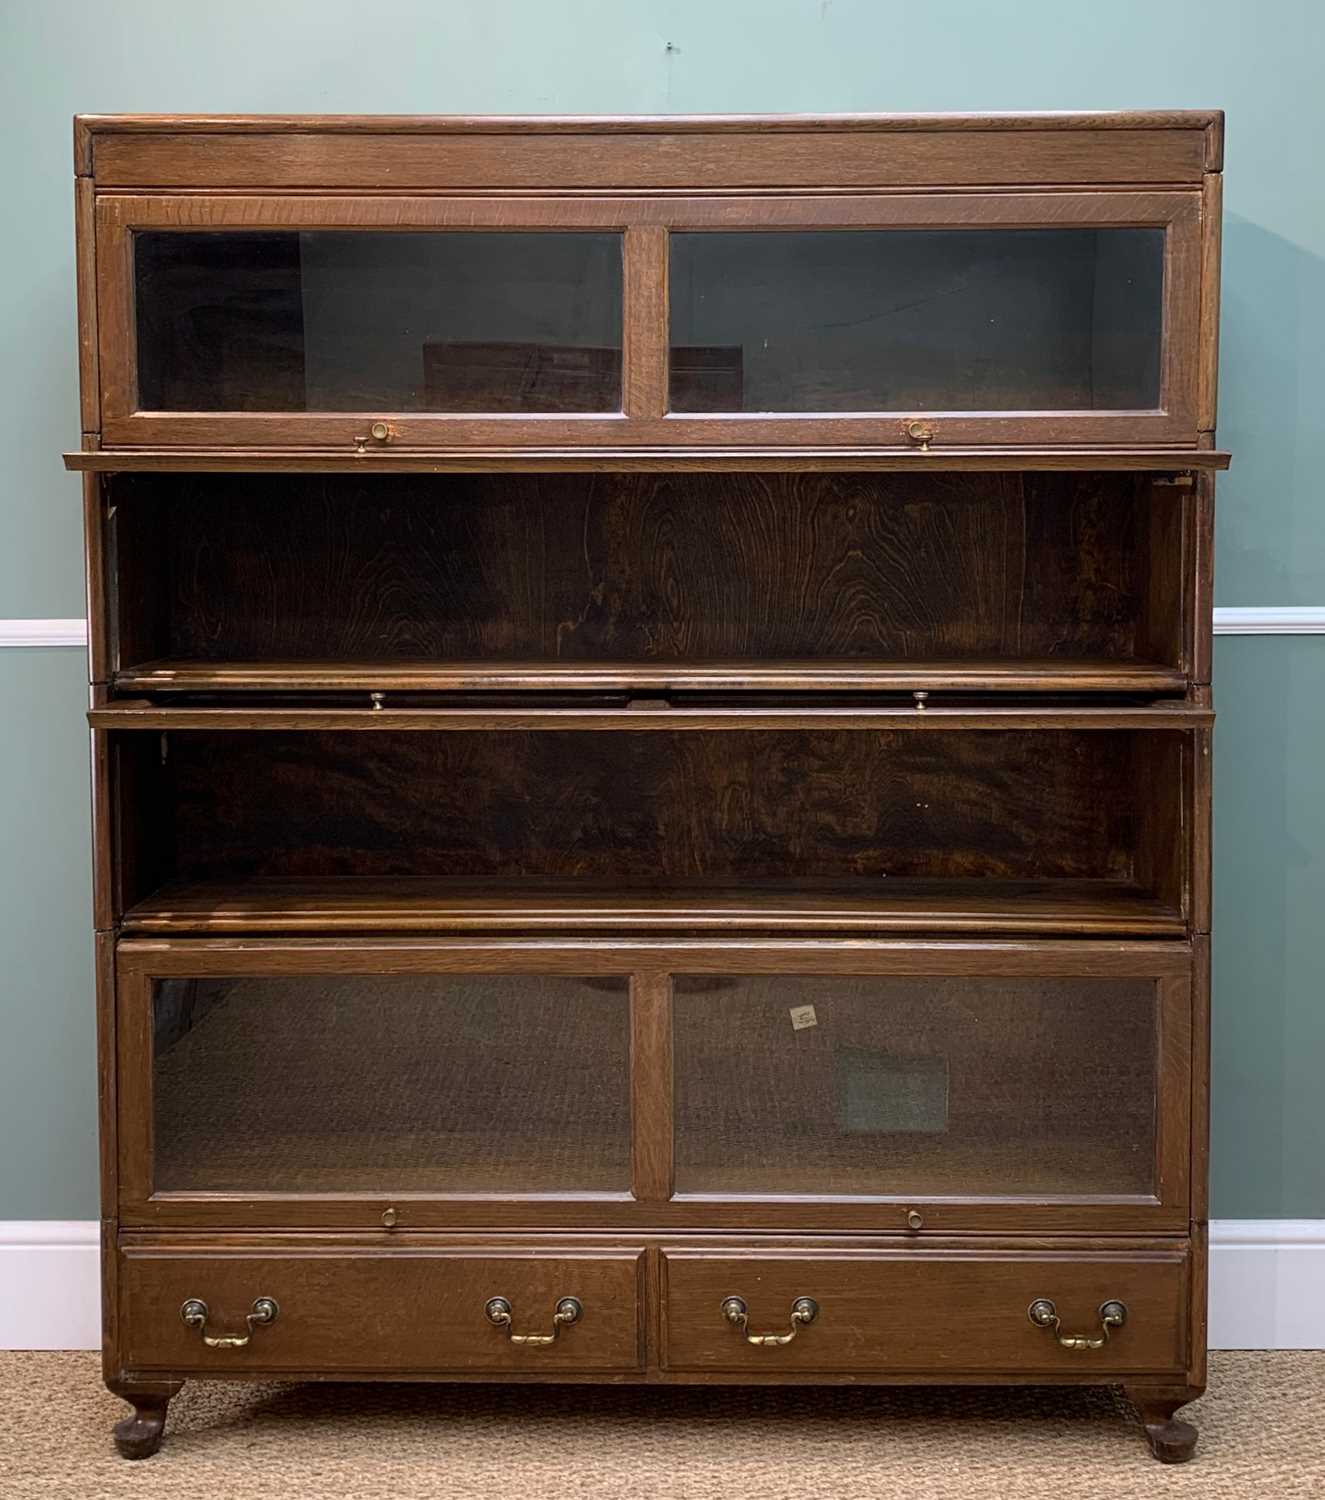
(650,1205)
(644,222)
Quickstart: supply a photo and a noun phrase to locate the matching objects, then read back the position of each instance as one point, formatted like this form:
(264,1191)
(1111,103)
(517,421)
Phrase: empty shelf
(1050,675)
(417,905)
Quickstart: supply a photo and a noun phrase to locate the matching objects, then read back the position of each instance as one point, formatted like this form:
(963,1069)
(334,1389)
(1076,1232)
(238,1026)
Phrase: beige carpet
(1262,1435)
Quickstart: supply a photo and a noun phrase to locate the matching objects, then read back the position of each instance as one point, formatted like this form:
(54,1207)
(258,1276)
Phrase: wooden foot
(139,1436)
(1171,1441)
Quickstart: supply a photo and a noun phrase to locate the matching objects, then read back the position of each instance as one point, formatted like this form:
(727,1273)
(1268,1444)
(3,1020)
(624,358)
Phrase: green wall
(1259,62)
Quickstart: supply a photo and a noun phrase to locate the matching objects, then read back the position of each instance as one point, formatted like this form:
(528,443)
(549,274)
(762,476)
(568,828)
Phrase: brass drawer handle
(1044,1314)
(194,1313)
(569,1310)
(804,1310)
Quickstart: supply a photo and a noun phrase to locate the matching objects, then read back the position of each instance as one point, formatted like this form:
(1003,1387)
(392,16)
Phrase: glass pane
(924,1087)
(457,321)
(917,320)
(446,1083)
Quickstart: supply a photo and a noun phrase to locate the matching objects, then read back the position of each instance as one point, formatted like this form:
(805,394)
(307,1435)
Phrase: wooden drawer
(936,1312)
(389,1312)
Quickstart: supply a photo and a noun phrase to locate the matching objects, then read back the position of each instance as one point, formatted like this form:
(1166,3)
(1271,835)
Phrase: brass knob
(389,1219)
(919,432)
(914,1220)
(380,432)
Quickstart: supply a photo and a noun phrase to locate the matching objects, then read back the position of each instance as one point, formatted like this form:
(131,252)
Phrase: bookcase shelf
(386,905)
(979,675)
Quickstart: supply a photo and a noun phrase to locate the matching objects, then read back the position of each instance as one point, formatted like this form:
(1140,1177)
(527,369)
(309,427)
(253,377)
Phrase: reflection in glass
(446,1083)
(332,320)
(925,1087)
(929,320)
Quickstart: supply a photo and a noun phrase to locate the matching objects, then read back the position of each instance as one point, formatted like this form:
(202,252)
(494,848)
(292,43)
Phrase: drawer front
(941,1312)
(391,1312)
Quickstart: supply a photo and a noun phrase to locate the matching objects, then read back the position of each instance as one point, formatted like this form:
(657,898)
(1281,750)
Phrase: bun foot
(1171,1441)
(139,1436)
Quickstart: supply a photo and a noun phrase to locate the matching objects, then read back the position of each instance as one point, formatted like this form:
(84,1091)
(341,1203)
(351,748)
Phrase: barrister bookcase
(651,747)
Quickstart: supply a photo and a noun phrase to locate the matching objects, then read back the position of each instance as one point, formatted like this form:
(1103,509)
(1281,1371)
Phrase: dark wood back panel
(638,567)
(655,808)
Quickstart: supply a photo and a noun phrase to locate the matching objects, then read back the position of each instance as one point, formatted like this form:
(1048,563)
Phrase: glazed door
(778,1084)
(932,1090)
(897,320)
(310,1077)
(937,321)
(359,323)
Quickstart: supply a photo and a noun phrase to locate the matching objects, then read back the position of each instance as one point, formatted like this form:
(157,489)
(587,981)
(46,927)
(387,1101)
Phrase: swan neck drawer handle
(1044,1314)
(804,1310)
(498,1312)
(194,1314)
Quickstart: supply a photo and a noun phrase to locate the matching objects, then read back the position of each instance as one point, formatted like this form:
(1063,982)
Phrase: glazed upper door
(889,320)
(628,1084)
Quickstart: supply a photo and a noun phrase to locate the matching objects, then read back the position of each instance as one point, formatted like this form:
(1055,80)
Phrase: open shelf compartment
(1017,830)
(275,584)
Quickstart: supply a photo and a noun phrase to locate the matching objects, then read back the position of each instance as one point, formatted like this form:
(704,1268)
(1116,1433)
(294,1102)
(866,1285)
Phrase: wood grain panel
(660,160)
(636,568)
(657,808)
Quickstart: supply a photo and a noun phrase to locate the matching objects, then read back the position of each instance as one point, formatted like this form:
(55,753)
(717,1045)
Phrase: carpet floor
(1261,1427)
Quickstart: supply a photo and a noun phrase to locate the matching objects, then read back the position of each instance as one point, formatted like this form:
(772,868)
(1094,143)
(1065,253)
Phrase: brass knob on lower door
(1044,1314)
(569,1310)
(804,1310)
(379,432)
(921,433)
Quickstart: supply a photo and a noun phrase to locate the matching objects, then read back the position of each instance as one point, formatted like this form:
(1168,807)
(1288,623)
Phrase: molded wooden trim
(135,713)
(769,459)
(333,124)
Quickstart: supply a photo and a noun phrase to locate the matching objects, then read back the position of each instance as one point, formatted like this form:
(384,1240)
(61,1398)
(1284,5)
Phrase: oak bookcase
(651,726)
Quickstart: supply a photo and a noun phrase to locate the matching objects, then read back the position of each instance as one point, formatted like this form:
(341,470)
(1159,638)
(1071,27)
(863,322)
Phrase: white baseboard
(1267,1284)
(50,1284)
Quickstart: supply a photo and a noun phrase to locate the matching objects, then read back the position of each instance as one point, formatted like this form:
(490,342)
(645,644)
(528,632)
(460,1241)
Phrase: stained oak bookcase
(651,747)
